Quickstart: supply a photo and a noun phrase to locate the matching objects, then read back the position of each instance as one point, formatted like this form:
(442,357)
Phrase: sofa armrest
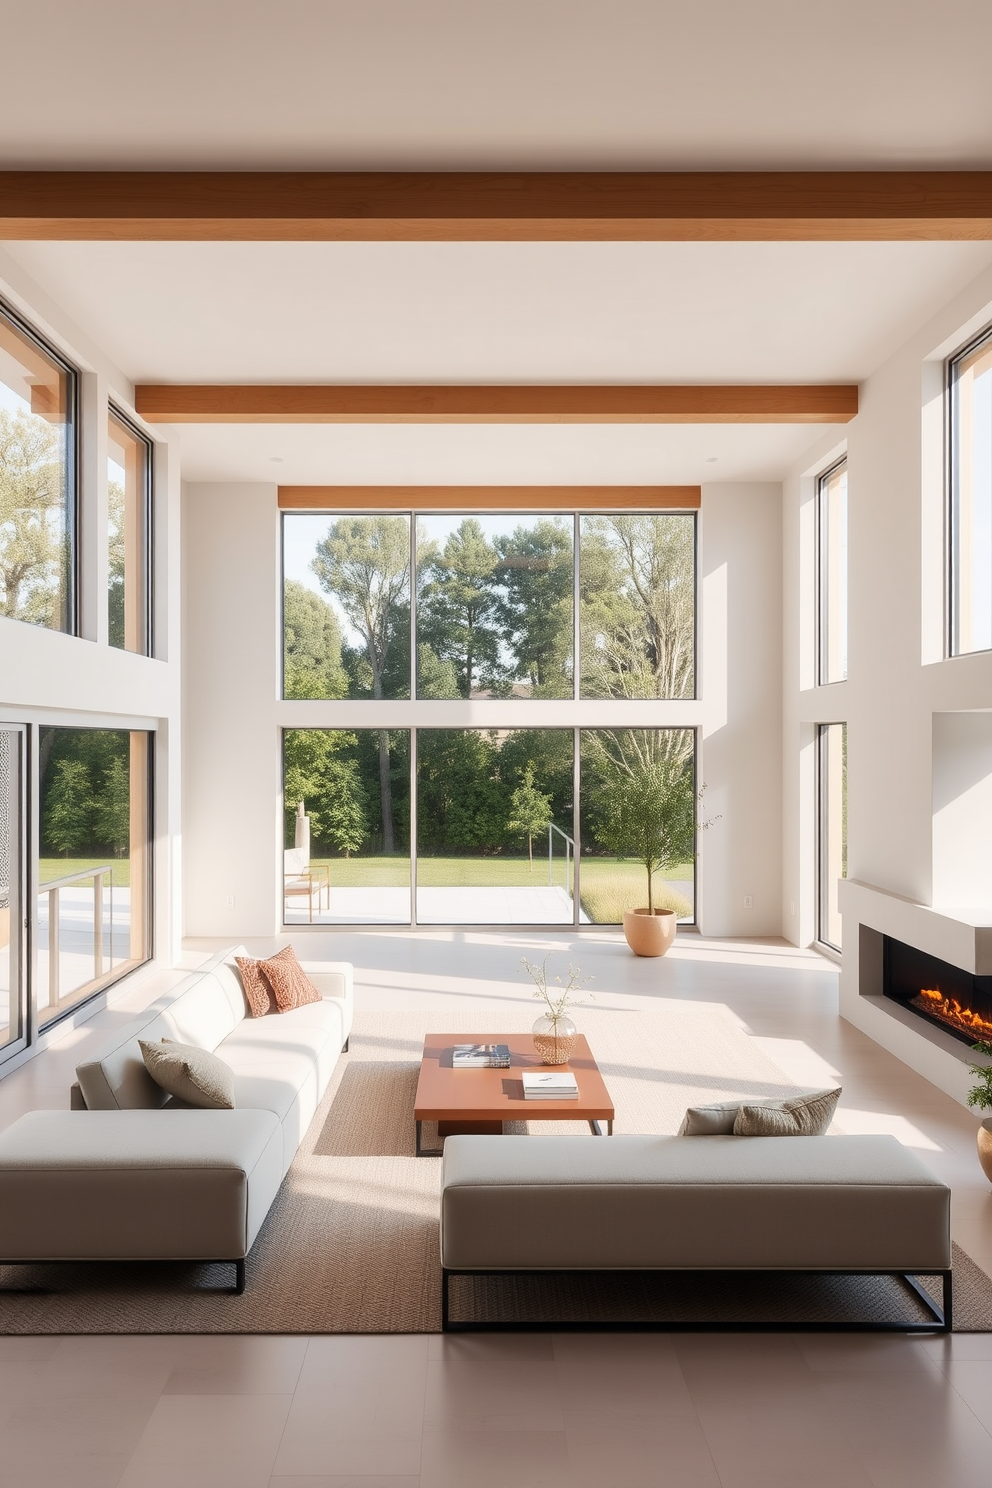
(334,981)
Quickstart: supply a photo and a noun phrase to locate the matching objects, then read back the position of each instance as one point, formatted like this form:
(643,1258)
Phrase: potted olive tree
(648,813)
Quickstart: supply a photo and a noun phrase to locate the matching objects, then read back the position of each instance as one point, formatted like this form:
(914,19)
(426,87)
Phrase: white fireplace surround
(962,937)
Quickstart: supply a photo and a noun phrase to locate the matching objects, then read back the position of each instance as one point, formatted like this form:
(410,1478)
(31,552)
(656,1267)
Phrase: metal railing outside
(569,858)
(53,889)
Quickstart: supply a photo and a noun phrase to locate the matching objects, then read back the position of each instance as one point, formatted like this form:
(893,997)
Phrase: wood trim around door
(499,404)
(496,498)
(452,206)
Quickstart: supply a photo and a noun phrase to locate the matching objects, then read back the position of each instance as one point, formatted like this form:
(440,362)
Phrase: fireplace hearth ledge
(961,936)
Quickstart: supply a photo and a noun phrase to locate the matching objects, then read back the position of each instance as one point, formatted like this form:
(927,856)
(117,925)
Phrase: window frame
(115,414)
(72,461)
(823,835)
(952,462)
(821,590)
(39,1026)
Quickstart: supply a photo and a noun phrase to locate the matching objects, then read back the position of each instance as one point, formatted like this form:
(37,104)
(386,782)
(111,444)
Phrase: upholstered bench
(824,1204)
(151,1185)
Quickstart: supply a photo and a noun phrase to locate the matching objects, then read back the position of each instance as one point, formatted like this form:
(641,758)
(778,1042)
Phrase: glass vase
(554,1039)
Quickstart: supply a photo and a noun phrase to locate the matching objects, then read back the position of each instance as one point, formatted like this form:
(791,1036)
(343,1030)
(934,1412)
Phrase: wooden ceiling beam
(496,404)
(495,498)
(617,206)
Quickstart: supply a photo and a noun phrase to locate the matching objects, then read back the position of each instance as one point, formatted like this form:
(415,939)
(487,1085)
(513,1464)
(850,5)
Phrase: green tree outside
(530,811)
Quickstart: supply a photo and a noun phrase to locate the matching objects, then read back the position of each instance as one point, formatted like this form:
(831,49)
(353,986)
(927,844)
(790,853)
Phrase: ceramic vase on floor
(985,1147)
(554,1039)
(649,933)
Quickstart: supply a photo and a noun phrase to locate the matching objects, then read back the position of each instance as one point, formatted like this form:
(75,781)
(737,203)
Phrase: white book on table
(550,1085)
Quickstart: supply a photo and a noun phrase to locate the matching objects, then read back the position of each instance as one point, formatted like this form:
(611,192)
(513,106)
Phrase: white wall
(233,715)
(897,678)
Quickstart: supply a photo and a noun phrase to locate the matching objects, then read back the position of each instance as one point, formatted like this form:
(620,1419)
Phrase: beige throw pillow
(802,1116)
(190,1074)
(710,1121)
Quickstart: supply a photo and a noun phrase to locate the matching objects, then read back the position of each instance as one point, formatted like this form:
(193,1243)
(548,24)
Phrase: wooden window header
(456,206)
(495,498)
(500,403)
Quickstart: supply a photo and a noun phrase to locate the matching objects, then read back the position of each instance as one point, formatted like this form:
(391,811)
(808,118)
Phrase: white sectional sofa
(124,1175)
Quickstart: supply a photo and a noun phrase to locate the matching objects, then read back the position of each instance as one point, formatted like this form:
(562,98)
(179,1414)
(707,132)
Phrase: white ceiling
(528,84)
(501,312)
(490,84)
(493,454)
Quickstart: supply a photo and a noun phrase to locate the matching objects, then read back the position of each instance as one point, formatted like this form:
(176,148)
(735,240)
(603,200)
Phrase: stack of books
(481,1056)
(550,1085)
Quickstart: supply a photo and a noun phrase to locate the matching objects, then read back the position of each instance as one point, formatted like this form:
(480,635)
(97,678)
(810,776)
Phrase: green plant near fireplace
(980,1095)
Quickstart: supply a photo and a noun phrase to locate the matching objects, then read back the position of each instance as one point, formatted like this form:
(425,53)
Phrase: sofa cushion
(203,1010)
(815,1203)
(192,1075)
(273,1059)
(720,1120)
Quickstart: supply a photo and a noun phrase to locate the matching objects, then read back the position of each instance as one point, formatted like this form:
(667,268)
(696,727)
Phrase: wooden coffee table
(478,1101)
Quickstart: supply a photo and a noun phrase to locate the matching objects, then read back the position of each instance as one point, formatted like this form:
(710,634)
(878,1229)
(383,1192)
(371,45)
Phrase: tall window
(37,480)
(970,445)
(94,871)
(832,814)
(831,529)
(129,472)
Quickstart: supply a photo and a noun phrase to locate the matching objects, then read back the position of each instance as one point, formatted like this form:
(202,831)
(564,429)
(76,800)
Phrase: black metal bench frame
(942,1316)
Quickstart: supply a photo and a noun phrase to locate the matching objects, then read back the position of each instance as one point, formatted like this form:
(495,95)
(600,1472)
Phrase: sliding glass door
(12,888)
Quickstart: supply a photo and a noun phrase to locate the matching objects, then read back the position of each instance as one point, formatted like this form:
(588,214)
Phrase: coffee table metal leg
(596,1127)
(423,1151)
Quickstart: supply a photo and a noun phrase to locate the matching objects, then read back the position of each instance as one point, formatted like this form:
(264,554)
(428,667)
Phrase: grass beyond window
(50,869)
(608,886)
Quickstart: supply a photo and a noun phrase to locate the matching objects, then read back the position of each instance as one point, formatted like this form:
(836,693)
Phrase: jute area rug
(351,1243)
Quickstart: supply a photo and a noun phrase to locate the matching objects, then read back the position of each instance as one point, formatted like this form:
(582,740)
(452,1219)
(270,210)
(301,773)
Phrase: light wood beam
(496,404)
(496,498)
(496,206)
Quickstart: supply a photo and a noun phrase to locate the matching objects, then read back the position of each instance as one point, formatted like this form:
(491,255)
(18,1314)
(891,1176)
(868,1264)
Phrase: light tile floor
(533,1410)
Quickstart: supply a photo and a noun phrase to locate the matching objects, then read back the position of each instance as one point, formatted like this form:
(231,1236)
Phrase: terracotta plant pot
(985,1147)
(649,934)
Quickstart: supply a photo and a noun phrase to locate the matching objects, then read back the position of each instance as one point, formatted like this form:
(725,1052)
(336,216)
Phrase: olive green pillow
(190,1074)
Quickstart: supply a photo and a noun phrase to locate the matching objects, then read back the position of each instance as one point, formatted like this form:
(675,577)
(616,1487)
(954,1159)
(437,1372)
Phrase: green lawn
(51,868)
(608,886)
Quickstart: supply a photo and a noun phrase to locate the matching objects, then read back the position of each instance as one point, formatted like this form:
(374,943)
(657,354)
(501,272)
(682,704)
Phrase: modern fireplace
(943,994)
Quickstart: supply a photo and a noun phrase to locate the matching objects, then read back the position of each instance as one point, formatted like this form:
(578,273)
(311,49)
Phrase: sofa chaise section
(177,1185)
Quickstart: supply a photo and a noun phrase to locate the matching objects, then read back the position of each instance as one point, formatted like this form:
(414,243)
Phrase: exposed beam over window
(495,498)
(497,206)
(496,404)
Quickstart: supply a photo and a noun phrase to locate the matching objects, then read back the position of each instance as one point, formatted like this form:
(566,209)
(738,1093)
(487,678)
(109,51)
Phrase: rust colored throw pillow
(290,983)
(258,991)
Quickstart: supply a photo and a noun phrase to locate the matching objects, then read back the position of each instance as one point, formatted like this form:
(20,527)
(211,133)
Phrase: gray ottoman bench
(158,1185)
(826,1204)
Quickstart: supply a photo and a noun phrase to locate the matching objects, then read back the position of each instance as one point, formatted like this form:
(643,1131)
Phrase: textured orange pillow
(290,984)
(258,992)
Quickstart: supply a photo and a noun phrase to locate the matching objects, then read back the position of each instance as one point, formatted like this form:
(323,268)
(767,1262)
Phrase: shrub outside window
(37,480)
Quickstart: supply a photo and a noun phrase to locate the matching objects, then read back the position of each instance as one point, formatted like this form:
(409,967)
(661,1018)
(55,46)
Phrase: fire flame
(949,1010)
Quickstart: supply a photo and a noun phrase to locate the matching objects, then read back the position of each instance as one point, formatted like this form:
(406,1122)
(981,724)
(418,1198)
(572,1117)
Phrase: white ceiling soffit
(500,312)
(522,84)
(505,454)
